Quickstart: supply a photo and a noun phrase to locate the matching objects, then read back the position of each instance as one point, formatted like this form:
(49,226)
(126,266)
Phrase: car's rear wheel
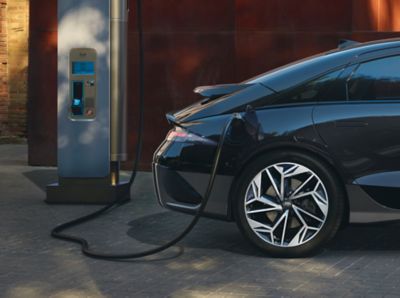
(288,203)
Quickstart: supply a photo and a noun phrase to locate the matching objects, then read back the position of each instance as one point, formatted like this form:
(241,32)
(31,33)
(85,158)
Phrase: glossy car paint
(359,140)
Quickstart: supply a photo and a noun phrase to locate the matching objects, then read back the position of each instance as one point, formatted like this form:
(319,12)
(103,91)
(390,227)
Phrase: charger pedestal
(87,191)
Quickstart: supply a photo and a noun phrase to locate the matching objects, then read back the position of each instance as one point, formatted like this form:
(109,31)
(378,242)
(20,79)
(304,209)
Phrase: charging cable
(58,232)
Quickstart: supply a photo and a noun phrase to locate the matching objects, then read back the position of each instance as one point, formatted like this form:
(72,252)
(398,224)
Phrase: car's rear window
(325,88)
(376,80)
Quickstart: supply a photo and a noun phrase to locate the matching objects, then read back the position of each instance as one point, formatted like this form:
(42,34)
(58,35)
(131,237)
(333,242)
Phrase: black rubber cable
(57,232)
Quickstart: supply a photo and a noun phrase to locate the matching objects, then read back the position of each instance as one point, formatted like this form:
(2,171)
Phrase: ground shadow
(41,178)
(159,228)
(368,237)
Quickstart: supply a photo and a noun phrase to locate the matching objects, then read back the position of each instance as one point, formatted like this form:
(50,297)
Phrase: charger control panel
(83,84)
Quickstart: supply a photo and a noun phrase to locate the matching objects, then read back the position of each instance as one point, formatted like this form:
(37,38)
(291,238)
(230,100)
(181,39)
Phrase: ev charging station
(91,99)
(92,61)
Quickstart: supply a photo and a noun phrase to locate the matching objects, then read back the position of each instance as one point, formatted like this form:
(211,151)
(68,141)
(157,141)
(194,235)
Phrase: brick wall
(4,97)
(14,17)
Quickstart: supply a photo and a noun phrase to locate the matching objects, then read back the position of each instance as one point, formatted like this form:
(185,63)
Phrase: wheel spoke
(255,225)
(300,217)
(313,228)
(256,184)
(290,170)
(262,210)
(262,230)
(284,226)
(278,222)
(296,191)
(303,235)
(307,213)
(298,170)
(322,199)
(273,182)
(321,205)
(282,190)
(266,201)
(296,239)
(280,170)
(302,195)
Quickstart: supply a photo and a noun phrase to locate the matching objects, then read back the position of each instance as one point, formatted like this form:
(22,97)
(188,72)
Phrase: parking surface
(214,260)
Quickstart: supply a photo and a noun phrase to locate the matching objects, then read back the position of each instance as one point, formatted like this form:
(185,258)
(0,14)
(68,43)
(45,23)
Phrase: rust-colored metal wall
(190,43)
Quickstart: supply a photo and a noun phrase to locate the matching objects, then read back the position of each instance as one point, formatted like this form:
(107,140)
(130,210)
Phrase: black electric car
(314,144)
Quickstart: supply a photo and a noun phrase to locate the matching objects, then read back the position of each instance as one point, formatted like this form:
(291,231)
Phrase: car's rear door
(362,131)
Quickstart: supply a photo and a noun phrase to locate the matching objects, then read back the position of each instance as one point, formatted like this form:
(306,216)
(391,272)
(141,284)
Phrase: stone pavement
(214,260)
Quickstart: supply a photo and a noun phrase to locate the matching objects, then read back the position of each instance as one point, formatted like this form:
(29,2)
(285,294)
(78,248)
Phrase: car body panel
(217,206)
(363,209)
(278,127)
(361,138)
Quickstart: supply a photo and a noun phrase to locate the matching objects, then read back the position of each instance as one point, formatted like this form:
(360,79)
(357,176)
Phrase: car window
(327,87)
(376,80)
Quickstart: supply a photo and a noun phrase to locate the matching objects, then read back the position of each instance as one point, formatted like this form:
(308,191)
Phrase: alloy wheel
(286,204)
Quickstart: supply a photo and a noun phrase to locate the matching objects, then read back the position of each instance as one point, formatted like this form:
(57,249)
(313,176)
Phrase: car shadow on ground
(383,236)
(214,234)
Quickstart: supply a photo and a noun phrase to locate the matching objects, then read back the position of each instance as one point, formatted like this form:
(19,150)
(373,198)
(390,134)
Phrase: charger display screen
(83,68)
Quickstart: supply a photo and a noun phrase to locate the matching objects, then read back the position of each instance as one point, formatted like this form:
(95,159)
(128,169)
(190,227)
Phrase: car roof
(303,70)
(374,44)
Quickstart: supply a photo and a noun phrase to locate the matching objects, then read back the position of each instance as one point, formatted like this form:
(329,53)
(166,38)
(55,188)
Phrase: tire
(295,218)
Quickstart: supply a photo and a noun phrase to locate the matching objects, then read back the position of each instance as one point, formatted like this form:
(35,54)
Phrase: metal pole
(118,104)
(119,20)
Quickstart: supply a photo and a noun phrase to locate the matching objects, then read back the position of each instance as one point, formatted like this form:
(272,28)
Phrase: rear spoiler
(209,93)
(345,43)
(215,91)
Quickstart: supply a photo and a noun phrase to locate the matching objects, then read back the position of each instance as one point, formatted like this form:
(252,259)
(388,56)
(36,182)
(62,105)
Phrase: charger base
(87,191)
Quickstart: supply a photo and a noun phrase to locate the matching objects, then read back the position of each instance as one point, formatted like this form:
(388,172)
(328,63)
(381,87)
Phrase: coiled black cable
(58,232)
